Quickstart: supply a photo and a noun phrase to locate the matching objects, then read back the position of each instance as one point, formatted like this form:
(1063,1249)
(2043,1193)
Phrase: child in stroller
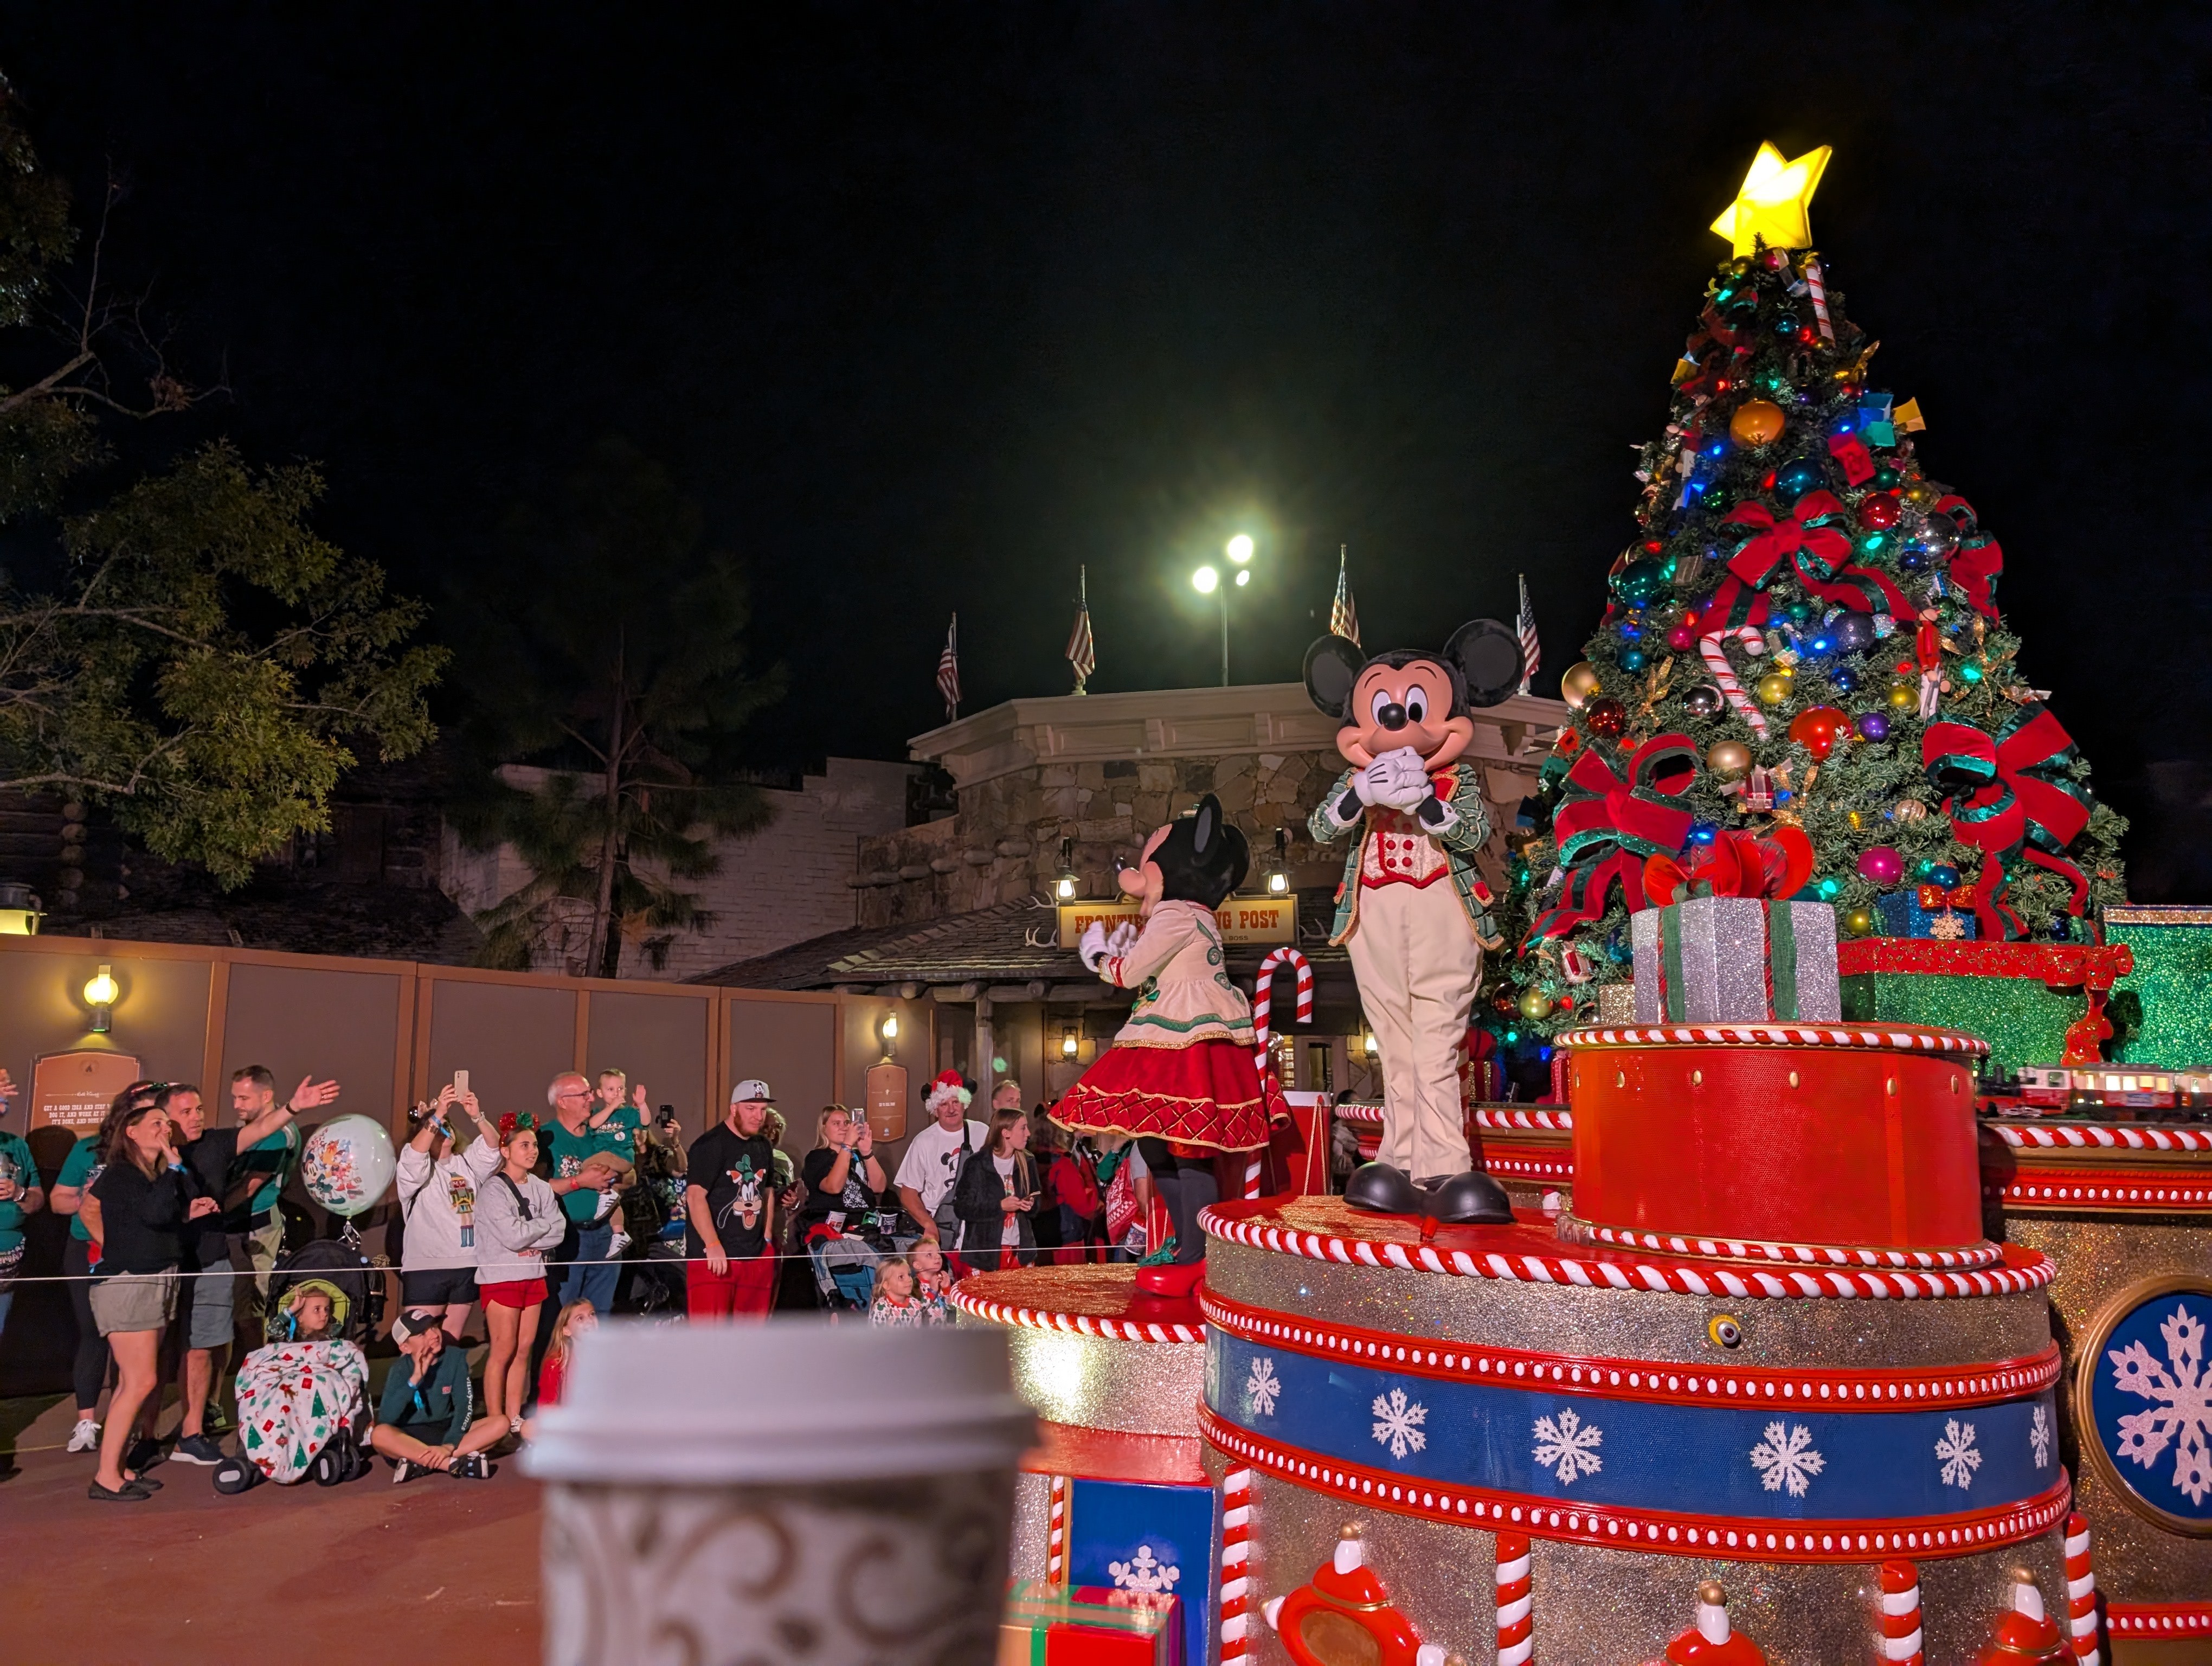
(303,1400)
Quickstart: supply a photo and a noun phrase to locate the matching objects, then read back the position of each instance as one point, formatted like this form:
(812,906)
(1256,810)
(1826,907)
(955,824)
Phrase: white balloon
(348,1164)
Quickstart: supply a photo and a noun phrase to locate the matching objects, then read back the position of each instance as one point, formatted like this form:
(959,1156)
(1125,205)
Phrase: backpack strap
(521,1203)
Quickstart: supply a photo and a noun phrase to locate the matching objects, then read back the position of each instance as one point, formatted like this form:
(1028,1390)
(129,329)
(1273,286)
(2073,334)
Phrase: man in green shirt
(21,1195)
(586,1189)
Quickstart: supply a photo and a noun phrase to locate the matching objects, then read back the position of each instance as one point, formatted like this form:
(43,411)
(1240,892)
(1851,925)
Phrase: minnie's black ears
(1333,665)
(1207,827)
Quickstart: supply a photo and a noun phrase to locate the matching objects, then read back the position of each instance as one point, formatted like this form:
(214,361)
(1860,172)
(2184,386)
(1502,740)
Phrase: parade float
(1854,1305)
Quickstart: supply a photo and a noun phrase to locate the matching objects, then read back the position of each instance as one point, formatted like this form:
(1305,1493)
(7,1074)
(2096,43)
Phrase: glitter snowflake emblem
(1786,1459)
(1398,1422)
(2182,1390)
(1145,1573)
(1262,1386)
(1955,1452)
(2038,1437)
(1568,1447)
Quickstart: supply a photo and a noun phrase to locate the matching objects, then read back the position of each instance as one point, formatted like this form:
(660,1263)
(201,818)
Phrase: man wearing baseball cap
(731,1203)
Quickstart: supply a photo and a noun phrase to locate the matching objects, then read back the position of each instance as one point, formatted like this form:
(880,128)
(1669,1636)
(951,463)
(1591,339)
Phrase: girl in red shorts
(518,1220)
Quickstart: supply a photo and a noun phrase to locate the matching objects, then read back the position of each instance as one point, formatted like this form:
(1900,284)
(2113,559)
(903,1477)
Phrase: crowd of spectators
(176,1231)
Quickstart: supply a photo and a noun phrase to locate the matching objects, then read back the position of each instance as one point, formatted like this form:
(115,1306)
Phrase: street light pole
(1225,635)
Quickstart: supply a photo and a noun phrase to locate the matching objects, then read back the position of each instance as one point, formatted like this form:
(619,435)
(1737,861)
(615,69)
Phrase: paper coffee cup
(794,1490)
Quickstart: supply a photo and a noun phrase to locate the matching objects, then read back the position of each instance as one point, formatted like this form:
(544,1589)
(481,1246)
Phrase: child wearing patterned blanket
(295,1397)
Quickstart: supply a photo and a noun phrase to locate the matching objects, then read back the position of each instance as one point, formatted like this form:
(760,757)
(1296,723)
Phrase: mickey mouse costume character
(1181,1075)
(1413,912)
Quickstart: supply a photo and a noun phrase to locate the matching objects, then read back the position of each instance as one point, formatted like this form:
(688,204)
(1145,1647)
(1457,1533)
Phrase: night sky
(930,305)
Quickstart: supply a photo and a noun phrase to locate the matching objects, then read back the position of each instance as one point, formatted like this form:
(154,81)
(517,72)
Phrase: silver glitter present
(1736,960)
(1616,1003)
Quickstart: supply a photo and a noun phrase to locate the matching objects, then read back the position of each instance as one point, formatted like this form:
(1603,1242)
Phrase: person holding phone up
(438,1185)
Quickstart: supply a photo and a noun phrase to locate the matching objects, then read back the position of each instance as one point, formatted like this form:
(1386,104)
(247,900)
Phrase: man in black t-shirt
(730,1198)
(209,1155)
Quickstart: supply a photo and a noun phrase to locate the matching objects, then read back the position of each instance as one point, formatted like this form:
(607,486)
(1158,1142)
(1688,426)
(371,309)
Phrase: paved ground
(437,1571)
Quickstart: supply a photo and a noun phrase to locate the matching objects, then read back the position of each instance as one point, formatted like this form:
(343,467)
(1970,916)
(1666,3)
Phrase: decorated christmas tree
(1804,633)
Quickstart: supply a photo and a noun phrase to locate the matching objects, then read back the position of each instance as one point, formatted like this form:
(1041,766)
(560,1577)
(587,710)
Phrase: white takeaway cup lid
(793,1400)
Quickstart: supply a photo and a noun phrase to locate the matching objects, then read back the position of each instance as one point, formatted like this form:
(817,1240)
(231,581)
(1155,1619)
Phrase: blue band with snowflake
(2149,1394)
(1757,1463)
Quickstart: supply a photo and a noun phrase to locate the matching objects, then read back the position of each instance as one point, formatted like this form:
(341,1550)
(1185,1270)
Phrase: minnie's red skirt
(1208,1094)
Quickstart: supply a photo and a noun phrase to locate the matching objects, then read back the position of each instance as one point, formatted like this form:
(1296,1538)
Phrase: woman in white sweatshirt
(438,1188)
(518,1220)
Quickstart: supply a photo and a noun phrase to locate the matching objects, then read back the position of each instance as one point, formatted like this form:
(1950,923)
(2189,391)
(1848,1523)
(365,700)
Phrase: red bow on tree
(1768,866)
(1977,567)
(2017,802)
(1607,822)
(1818,550)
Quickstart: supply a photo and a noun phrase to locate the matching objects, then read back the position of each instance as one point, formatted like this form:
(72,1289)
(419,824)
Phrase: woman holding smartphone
(518,1219)
(439,1187)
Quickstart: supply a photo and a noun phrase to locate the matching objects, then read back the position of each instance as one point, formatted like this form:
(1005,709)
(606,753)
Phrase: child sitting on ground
(611,1113)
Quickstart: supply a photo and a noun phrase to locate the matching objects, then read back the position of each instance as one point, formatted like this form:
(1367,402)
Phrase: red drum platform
(1764,1141)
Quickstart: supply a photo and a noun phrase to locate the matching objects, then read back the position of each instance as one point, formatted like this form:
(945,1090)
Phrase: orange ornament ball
(1579,684)
(1756,422)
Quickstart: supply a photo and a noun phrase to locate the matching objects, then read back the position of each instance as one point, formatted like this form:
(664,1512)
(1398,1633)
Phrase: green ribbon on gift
(1781,961)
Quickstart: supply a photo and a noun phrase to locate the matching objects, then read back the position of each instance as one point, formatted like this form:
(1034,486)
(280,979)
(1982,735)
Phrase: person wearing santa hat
(931,1167)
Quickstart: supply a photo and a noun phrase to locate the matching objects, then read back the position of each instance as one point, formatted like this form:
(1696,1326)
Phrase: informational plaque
(1243,920)
(887,1100)
(73,1090)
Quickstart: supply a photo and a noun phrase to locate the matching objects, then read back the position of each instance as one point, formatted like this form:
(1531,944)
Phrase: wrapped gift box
(1736,960)
(1047,1625)
(1906,914)
(2018,997)
(2169,1022)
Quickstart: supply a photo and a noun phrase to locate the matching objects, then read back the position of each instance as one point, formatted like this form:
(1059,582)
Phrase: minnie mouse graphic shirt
(738,1174)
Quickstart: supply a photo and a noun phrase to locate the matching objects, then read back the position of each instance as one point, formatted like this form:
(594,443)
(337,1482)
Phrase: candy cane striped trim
(1502,1161)
(1055,1541)
(1904,1040)
(1817,287)
(2158,1618)
(2036,1189)
(1574,1230)
(2083,1135)
(1365,1114)
(1236,1559)
(1079,1324)
(1263,992)
(1712,649)
(1499,1118)
(1830,1388)
(2026,1269)
(1899,1617)
(1516,1623)
(2080,1591)
(1667,1532)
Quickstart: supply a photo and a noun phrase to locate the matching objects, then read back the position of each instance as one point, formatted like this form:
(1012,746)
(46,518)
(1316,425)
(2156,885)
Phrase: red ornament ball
(1680,637)
(1878,512)
(1817,729)
(1604,717)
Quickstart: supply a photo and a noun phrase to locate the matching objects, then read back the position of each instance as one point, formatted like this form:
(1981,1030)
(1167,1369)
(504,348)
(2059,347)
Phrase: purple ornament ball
(1873,725)
(1881,865)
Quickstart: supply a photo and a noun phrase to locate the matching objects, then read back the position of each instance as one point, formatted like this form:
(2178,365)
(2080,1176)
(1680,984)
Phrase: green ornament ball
(1535,1006)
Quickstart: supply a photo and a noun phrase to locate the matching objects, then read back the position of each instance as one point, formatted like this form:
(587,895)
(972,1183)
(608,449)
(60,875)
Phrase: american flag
(1343,616)
(948,670)
(1531,649)
(1082,651)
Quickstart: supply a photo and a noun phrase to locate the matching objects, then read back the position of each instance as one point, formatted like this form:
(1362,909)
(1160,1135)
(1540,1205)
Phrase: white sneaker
(606,1207)
(85,1437)
(616,1244)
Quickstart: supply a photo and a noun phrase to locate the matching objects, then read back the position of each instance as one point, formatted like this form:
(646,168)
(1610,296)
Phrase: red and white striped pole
(1817,285)
(2080,1590)
(1263,1007)
(1055,1547)
(1236,1580)
(1900,1615)
(1516,1625)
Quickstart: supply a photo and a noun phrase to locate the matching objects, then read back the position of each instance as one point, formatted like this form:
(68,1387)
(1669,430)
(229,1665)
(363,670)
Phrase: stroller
(302,1405)
(346,1270)
(845,1262)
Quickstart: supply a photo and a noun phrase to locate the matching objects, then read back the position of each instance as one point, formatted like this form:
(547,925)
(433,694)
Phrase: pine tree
(1866,691)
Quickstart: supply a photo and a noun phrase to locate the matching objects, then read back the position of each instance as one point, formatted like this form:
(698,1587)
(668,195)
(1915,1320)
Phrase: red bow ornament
(1818,548)
(1609,820)
(1770,866)
(2013,800)
(1979,563)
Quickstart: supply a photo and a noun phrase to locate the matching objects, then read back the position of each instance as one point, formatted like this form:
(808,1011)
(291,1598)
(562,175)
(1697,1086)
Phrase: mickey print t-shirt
(737,1174)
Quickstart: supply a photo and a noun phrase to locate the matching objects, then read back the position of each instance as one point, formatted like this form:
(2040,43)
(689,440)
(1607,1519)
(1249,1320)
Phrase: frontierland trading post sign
(1243,920)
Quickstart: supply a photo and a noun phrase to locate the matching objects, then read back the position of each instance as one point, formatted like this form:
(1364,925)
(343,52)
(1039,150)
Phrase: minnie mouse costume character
(1181,1075)
(1413,912)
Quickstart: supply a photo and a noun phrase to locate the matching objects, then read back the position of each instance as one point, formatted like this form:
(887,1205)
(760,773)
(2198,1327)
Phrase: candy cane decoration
(1055,1554)
(1900,1615)
(1516,1628)
(1713,649)
(1819,293)
(2080,1590)
(1263,1001)
(1236,1551)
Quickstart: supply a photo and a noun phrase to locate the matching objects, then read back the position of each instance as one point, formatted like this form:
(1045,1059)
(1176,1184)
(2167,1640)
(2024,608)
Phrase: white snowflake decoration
(2038,1437)
(1398,1422)
(1143,1573)
(1568,1446)
(2185,1394)
(1786,1458)
(1261,1387)
(1956,1450)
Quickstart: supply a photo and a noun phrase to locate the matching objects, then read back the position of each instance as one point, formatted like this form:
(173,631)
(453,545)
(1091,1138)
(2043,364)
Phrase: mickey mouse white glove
(1406,785)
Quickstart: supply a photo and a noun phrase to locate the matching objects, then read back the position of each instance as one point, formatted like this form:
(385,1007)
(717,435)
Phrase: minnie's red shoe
(1171,1280)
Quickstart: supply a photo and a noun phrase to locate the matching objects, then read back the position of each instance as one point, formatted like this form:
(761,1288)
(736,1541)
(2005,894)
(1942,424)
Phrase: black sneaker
(475,1467)
(407,1470)
(198,1448)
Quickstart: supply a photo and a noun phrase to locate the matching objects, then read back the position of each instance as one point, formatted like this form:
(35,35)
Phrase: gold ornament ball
(1922,496)
(1858,922)
(1904,697)
(1909,810)
(1727,757)
(1535,1006)
(1774,689)
(1756,422)
(1579,683)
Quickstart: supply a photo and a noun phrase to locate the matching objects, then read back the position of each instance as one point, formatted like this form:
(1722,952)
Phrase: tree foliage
(176,642)
(603,644)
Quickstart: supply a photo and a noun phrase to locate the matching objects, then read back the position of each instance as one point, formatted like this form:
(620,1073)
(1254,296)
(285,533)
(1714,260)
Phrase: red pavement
(437,1571)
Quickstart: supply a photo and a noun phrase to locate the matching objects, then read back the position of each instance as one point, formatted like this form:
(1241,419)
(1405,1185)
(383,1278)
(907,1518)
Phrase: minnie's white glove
(1121,938)
(1092,948)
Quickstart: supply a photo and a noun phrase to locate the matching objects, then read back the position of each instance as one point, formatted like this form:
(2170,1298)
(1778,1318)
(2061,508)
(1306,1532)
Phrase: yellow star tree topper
(1775,203)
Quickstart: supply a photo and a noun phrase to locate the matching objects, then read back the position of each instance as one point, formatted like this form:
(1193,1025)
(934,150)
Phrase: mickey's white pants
(1415,954)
